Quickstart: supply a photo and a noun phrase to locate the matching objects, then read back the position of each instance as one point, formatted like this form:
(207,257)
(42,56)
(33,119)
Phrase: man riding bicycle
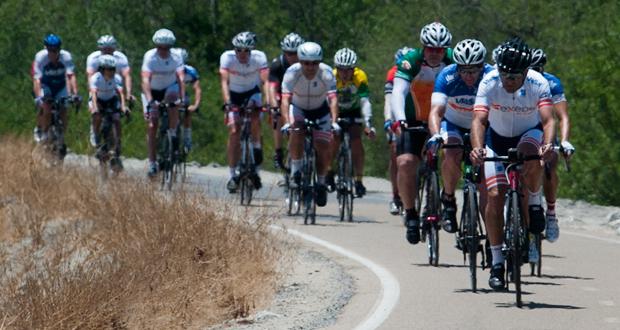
(107,46)
(452,108)
(309,92)
(106,91)
(53,78)
(516,105)
(192,79)
(411,98)
(278,67)
(243,79)
(354,105)
(560,110)
(162,81)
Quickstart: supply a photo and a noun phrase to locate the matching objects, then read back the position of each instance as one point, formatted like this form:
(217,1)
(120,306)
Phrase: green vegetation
(579,38)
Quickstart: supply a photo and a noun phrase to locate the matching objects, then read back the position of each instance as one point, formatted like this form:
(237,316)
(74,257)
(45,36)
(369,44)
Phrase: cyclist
(353,104)
(309,91)
(162,81)
(107,46)
(279,65)
(451,113)
(560,107)
(516,105)
(53,77)
(243,79)
(106,90)
(396,204)
(192,78)
(416,71)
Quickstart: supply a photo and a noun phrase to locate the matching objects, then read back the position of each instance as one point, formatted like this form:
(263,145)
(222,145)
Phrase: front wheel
(516,242)
(472,237)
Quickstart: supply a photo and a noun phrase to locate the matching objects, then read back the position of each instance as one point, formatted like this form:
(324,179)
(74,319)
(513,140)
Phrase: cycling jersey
(105,89)
(452,92)
(512,114)
(389,80)
(421,78)
(191,74)
(243,76)
(92,61)
(277,69)
(351,92)
(555,85)
(309,94)
(387,89)
(163,70)
(53,75)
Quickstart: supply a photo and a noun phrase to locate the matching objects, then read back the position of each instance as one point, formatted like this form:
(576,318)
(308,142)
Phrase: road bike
(345,185)
(108,152)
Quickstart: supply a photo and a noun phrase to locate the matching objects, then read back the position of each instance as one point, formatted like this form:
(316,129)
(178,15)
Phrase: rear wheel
(517,246)
(246,181)
(434,211)
(472,236)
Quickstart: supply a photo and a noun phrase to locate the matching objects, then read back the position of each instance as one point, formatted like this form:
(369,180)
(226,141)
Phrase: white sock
(231,171)
(534,197)
(257,168)
(187,133)
(498,256)
(256,145)
(172,132)
(296,165)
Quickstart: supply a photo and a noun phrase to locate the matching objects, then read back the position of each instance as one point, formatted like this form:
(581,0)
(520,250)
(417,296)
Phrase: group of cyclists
(434,94)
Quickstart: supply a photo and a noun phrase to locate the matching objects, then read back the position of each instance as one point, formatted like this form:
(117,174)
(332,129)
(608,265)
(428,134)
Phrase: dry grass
(75,254)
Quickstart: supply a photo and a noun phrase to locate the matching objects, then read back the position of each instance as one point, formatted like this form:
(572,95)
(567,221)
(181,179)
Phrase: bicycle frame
(344,185)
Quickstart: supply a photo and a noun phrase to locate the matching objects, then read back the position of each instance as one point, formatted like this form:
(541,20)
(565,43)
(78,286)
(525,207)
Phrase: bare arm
(197,94)
(180,78)
(122,97)
(273,94)
(548,123)
(434,119)
(264,78)
(284,106)
(127,78)
(146,85)
(224,84)
(93,98)
(72,84)
(561,112)
(36,87)
(333,106)
(478,125)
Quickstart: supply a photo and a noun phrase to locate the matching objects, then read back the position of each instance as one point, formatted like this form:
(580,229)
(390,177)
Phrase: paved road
(579,288)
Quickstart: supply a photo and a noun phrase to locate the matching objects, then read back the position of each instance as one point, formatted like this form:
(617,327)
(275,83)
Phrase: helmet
(401,53)
(496,52)
(345,58)
(244,40)
(107,62)
(310,51)
(290,42)
(435,35)
(52,40)
(164,37)
(515,56)
(469,52)
(106,41)
(539,58)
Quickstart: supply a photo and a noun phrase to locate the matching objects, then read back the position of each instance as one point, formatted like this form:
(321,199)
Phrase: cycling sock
(534,197)
(172,132)
(496,253)
(187,133)
(359,178)
(257,168)
(550,207)
(447,197)
(295,165)
(411,212)
(256,145)
(321,179)
(231,172)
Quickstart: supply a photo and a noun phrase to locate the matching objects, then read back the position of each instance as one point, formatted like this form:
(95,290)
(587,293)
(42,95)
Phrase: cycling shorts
(453,132)
(251,97)
(48,92)
(320,115)
(411,143)
(170,94)
(113,103)
(497,145)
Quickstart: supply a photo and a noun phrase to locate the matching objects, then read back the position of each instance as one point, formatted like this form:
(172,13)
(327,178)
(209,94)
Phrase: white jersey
(309,94)
(512,114)
(105,89)
(92,61)
(243,77)
(163,70)
(52,74)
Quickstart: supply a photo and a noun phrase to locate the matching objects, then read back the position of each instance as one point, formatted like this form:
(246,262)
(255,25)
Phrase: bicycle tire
(473,238)
(434,211)
(349,182)
(246,182)
(340,184)
(309,185)
(516,245)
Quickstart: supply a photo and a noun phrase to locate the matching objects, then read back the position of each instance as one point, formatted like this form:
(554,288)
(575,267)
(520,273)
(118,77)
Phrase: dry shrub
(79,254)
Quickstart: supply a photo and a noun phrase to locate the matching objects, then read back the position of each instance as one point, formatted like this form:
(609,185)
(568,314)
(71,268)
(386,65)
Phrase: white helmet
(435,35)
(164,37)
(244,40)
(310,51)
(106,41)
(290,42)
(345,58)
(469,52)
(107,62)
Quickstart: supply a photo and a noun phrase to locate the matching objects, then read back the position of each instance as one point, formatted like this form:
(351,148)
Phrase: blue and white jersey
(557,90)
(452,92)
(191,75)
(53,75)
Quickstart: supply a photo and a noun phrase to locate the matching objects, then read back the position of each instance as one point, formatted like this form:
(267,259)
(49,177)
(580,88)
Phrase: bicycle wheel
(516,244)
(340,184)
(472,237)
(308,187)
(246,182)
(434,211)
(349,184)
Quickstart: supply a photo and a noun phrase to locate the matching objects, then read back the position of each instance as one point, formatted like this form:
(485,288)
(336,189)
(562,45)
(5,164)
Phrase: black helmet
(515,56)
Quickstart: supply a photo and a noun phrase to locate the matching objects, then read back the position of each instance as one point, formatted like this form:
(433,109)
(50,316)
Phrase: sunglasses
(109,69)
(163,47)
(53,50)
(435,49)
(242,50)
(310,63)
(290,53)
(469,70)
(511,76)
(345,69)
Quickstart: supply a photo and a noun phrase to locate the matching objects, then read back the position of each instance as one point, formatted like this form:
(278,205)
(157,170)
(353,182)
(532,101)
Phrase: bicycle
(109,151)
(55,143)
(247,164)
(345,184)
(168,154)
(516,243)
(470,232)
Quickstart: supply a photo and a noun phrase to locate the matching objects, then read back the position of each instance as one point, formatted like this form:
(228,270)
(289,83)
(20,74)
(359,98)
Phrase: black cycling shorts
(242,99)
(411,143)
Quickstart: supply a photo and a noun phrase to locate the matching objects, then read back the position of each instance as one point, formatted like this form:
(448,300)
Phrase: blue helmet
(52,40)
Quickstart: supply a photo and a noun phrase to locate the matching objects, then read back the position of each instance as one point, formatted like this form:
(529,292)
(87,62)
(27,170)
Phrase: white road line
(390,288)
(603,239)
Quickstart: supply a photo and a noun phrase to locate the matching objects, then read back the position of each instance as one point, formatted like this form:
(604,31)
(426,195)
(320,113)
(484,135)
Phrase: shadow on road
(441,265)
(566,277)
(535,305)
